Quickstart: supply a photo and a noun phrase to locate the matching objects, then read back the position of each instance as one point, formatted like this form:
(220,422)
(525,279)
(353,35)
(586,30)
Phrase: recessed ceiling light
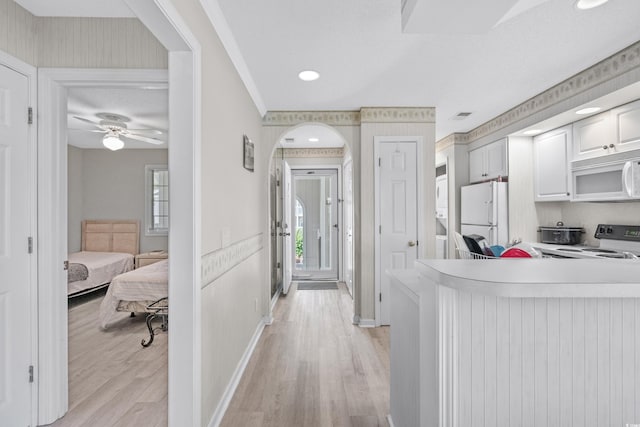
(588,110)
(531,132)
(313,140)
(308,75)
(589,4)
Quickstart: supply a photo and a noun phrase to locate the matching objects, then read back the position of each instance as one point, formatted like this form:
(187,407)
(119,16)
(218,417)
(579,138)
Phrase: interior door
(397,204)
(287,227)
(348,225)
(15,262)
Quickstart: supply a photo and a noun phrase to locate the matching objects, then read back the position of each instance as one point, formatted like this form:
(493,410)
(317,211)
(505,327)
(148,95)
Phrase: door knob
(412,243)
(285,234)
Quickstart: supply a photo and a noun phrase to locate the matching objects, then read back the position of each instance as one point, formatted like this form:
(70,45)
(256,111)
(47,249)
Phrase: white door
(348,225)
(15,261)
(287,228)
(397,205)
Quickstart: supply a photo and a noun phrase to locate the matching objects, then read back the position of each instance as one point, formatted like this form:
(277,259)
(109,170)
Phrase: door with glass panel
(315,224)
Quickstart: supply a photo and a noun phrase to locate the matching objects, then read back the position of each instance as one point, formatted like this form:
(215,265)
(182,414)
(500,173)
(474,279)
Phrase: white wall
(233,208)
(107,184)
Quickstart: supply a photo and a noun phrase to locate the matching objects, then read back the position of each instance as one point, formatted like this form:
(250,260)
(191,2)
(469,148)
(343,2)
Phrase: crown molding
(616,65)
(398,115)
(292,118)
(313,152)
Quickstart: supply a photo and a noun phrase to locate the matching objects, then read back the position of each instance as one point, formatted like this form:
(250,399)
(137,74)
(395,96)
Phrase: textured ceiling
(147,108)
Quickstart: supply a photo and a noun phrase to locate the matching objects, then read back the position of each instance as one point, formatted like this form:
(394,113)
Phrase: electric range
(616,241)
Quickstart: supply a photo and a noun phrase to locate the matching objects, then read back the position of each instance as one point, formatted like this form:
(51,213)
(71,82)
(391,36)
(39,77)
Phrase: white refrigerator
(484,211)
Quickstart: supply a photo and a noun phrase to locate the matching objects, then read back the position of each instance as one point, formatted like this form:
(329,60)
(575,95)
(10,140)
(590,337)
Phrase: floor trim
(390,421)
(367,323)
(218,415)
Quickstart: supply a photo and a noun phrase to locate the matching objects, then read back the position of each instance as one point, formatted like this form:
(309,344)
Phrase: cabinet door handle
(611,146)
(604,147)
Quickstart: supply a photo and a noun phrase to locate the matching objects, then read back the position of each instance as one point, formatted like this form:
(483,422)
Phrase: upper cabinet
(614,131)
(593,137)
(626,120)
(488,162)
(551,157)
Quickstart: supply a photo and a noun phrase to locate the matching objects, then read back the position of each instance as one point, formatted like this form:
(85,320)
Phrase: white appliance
(442,197)
(616,241)
(484,211)
(611,181)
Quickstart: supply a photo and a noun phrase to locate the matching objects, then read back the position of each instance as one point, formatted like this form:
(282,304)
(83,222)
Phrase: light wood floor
(113,380)
(312,367)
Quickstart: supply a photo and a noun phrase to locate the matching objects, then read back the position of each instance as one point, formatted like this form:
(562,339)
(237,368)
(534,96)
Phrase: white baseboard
(274,300)
(367,323)
(217,416)
(268,320)
(390,421)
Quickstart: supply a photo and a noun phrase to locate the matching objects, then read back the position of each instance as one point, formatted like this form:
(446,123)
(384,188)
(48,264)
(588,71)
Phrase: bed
(135,291)
(107,250)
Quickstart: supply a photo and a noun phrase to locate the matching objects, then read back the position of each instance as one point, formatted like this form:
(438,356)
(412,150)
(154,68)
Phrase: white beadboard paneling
(615,363)
(490,357)
(553,363)
(528,363)
(629,357)
(604,361)
(579,361)
(477,361)
(465,358)
(565,353)
(502,362)
(515,362)
(541,362)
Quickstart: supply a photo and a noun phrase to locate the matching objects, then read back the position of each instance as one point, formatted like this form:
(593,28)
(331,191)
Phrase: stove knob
(601,230)
(609,230)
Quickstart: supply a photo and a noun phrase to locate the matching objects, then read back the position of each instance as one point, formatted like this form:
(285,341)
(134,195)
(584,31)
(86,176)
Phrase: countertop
(524,278)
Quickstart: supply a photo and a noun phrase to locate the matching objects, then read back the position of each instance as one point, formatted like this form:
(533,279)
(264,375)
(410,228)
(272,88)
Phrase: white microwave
(607,182)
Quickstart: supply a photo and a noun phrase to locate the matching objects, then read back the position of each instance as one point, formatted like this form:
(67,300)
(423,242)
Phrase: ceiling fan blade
(89,130)
(152,131)
(143,138)
(86,120)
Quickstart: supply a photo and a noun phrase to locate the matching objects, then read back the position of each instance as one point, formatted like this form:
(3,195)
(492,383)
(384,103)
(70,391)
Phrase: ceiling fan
(114,126)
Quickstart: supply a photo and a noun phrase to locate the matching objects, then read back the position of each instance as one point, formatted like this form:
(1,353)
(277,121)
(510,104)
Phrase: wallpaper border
(218,262)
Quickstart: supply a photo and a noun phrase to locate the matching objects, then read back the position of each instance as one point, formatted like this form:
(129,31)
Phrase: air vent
(289,140)
(461,116)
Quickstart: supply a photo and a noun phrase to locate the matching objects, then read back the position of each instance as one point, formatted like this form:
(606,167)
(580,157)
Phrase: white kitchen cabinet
(551,171)
(488,162)
(593,137)
(626,121)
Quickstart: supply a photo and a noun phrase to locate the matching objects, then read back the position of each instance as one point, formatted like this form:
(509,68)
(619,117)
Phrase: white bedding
(102,266)
(149,283)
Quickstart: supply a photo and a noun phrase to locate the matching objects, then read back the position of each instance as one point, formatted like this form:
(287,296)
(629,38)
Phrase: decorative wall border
(313,152)
(398,115)
(292,118)
(616,65)
(220,261)
(453,139)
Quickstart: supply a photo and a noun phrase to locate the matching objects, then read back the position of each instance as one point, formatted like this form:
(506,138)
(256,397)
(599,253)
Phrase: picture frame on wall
(247,158)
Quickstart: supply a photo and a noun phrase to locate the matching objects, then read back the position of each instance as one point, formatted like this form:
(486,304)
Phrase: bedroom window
(157,200)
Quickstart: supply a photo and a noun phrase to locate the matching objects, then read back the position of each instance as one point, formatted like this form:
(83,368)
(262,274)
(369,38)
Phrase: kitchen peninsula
(535,342)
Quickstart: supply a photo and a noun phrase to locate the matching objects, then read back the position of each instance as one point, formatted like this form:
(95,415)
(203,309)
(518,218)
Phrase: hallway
(312,367)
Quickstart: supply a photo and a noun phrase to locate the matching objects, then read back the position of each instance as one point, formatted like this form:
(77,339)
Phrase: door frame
(184,389)
(30,72)
(377,140)
(338,168)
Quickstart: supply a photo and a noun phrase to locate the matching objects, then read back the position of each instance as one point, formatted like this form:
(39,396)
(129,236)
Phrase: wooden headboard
(111,236)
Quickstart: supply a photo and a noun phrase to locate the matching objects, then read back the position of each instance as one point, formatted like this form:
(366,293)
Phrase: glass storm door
(315,224)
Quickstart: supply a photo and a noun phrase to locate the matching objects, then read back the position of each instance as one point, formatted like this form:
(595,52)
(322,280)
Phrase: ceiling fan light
(112,142)
(589,4)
